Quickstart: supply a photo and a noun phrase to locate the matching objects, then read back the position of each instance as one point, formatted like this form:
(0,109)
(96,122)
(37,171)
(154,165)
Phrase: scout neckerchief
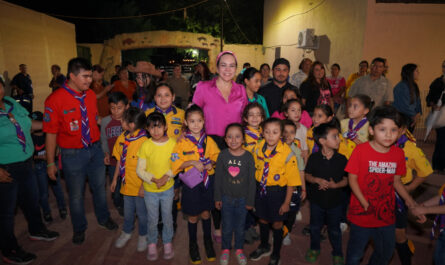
(440,218)
(126,143)
(351,134)
(267,159)
(170,109)
(205,161)
(86,138)
(254,134)
(20,135)
(141,100)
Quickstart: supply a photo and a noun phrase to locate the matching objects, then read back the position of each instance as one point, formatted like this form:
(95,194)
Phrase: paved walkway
(98,247)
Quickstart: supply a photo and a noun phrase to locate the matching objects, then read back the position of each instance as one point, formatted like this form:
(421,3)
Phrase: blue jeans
(22,191)
(43,181)
(331,218)
(77,165)
(439,251)
(132,205)
(116,196)
(384,243)
(154,200)
(233,213)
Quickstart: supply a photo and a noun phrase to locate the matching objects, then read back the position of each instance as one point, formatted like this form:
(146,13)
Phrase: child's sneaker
(168,251)
(195,258)
(338,260)
(152,254)
(18,256)
(225,255)
(312,255)
(259,253)
(299,216)
(286,240)
(142,243)
(122,240)
(240,257)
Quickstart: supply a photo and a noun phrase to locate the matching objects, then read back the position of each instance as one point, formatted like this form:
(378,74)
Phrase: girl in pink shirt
(289,93)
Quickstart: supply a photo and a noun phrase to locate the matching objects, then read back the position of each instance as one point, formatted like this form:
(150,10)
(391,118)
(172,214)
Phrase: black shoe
(48,218)
(259,253)
(195,258)
(44,235)
(306,231)
(274,260)
(109,224)
(18,256)
(63,213)
(78,237)
(210,251)
(120,210)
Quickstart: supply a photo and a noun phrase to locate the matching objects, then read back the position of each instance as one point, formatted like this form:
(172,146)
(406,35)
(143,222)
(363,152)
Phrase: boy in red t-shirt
(375,168)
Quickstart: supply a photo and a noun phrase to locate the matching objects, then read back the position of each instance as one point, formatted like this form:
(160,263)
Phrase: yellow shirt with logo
(185,151)
(415,161)
(343,148)
(250,142)
(157,156)
(132,181)
(283,168)
(174,119)
(362,134)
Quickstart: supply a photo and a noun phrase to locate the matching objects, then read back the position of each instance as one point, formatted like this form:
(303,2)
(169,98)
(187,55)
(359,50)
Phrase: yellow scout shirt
(157,156)
(343,148)
(132,181)
(185,151)
(174,119)
(415,160)
(283,169)
(362,134)
(250,141)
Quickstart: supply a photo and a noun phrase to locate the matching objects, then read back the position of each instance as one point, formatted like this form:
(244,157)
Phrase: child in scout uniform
(253,116)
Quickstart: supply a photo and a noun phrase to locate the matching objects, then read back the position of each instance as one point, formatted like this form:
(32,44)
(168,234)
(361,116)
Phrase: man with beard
(273,91)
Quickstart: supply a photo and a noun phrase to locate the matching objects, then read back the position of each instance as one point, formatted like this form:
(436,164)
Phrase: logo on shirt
(46,117)
(65,112)
(175,156)
(382,167)
(234,171)
(188,153)
(176,131)
(276,177)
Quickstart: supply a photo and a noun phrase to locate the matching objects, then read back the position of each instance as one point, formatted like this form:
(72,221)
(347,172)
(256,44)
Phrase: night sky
(204,18)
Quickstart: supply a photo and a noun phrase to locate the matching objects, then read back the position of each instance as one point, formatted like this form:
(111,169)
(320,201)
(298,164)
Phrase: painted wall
(407,33)
(96,50)
(36,40)
(252,53)
(339,24)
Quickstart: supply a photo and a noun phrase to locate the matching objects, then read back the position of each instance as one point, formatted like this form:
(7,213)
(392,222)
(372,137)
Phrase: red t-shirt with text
(375,173)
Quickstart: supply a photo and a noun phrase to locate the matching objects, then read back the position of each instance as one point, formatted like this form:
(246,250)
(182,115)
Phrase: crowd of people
(242,154)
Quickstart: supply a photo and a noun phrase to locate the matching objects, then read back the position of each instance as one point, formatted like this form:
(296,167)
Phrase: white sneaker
(122,240)
(299,216)
(343,227)
(286,240)
(142,243)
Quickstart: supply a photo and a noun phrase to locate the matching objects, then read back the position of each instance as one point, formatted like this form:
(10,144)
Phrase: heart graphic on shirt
(234,171)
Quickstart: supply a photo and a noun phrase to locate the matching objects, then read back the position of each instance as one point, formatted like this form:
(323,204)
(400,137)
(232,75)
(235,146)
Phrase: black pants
(439,150)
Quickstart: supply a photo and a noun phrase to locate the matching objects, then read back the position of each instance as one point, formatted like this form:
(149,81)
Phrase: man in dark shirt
(58,78)
(273,91)
(22,81)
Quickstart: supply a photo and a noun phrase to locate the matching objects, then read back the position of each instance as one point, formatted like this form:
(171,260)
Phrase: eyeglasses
(255,115)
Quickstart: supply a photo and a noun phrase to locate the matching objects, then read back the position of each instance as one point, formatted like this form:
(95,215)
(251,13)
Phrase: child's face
(294,112)
(128,126)
(356,109)
(157,131)
(254,83)
(164,97)
(332,140)
(195,122)
(320,117)
(289,94)
(385,133)
(272,134)
(289,134)
(234,138)
(117,110)
(254,117)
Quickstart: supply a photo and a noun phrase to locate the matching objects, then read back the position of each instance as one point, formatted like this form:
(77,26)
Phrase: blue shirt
(402,100)
(10,149)
(260,99)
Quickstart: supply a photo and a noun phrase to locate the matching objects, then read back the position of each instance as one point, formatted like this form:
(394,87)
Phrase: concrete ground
(99,245)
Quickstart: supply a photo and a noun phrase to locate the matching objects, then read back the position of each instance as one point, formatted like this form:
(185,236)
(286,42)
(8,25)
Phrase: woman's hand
(218,205)
(4,176)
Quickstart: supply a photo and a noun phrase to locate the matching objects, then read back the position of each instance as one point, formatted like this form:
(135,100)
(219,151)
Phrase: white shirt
(301,136)
(298,78)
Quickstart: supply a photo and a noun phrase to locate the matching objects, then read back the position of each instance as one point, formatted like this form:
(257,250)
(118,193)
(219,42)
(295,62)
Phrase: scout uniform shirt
(175,119)
(62,116)
(132,181)
(362,133)
(343,148)
(185,150)
(283,169)
(252,137)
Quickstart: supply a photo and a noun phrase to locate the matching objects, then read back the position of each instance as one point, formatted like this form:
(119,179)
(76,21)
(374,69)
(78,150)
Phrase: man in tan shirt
(180,86)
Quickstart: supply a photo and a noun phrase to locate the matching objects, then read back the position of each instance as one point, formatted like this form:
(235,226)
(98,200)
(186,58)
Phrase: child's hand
(421,218)
(418,210)
(332,184)
(284,208)
(162,181)
(322,184)
(107,159)
(113,185)
(4,176)
(303,195)
(141,191)
(248,207)
(365,206)
(208,166)
(199,166)
(218,205)
(357,141)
